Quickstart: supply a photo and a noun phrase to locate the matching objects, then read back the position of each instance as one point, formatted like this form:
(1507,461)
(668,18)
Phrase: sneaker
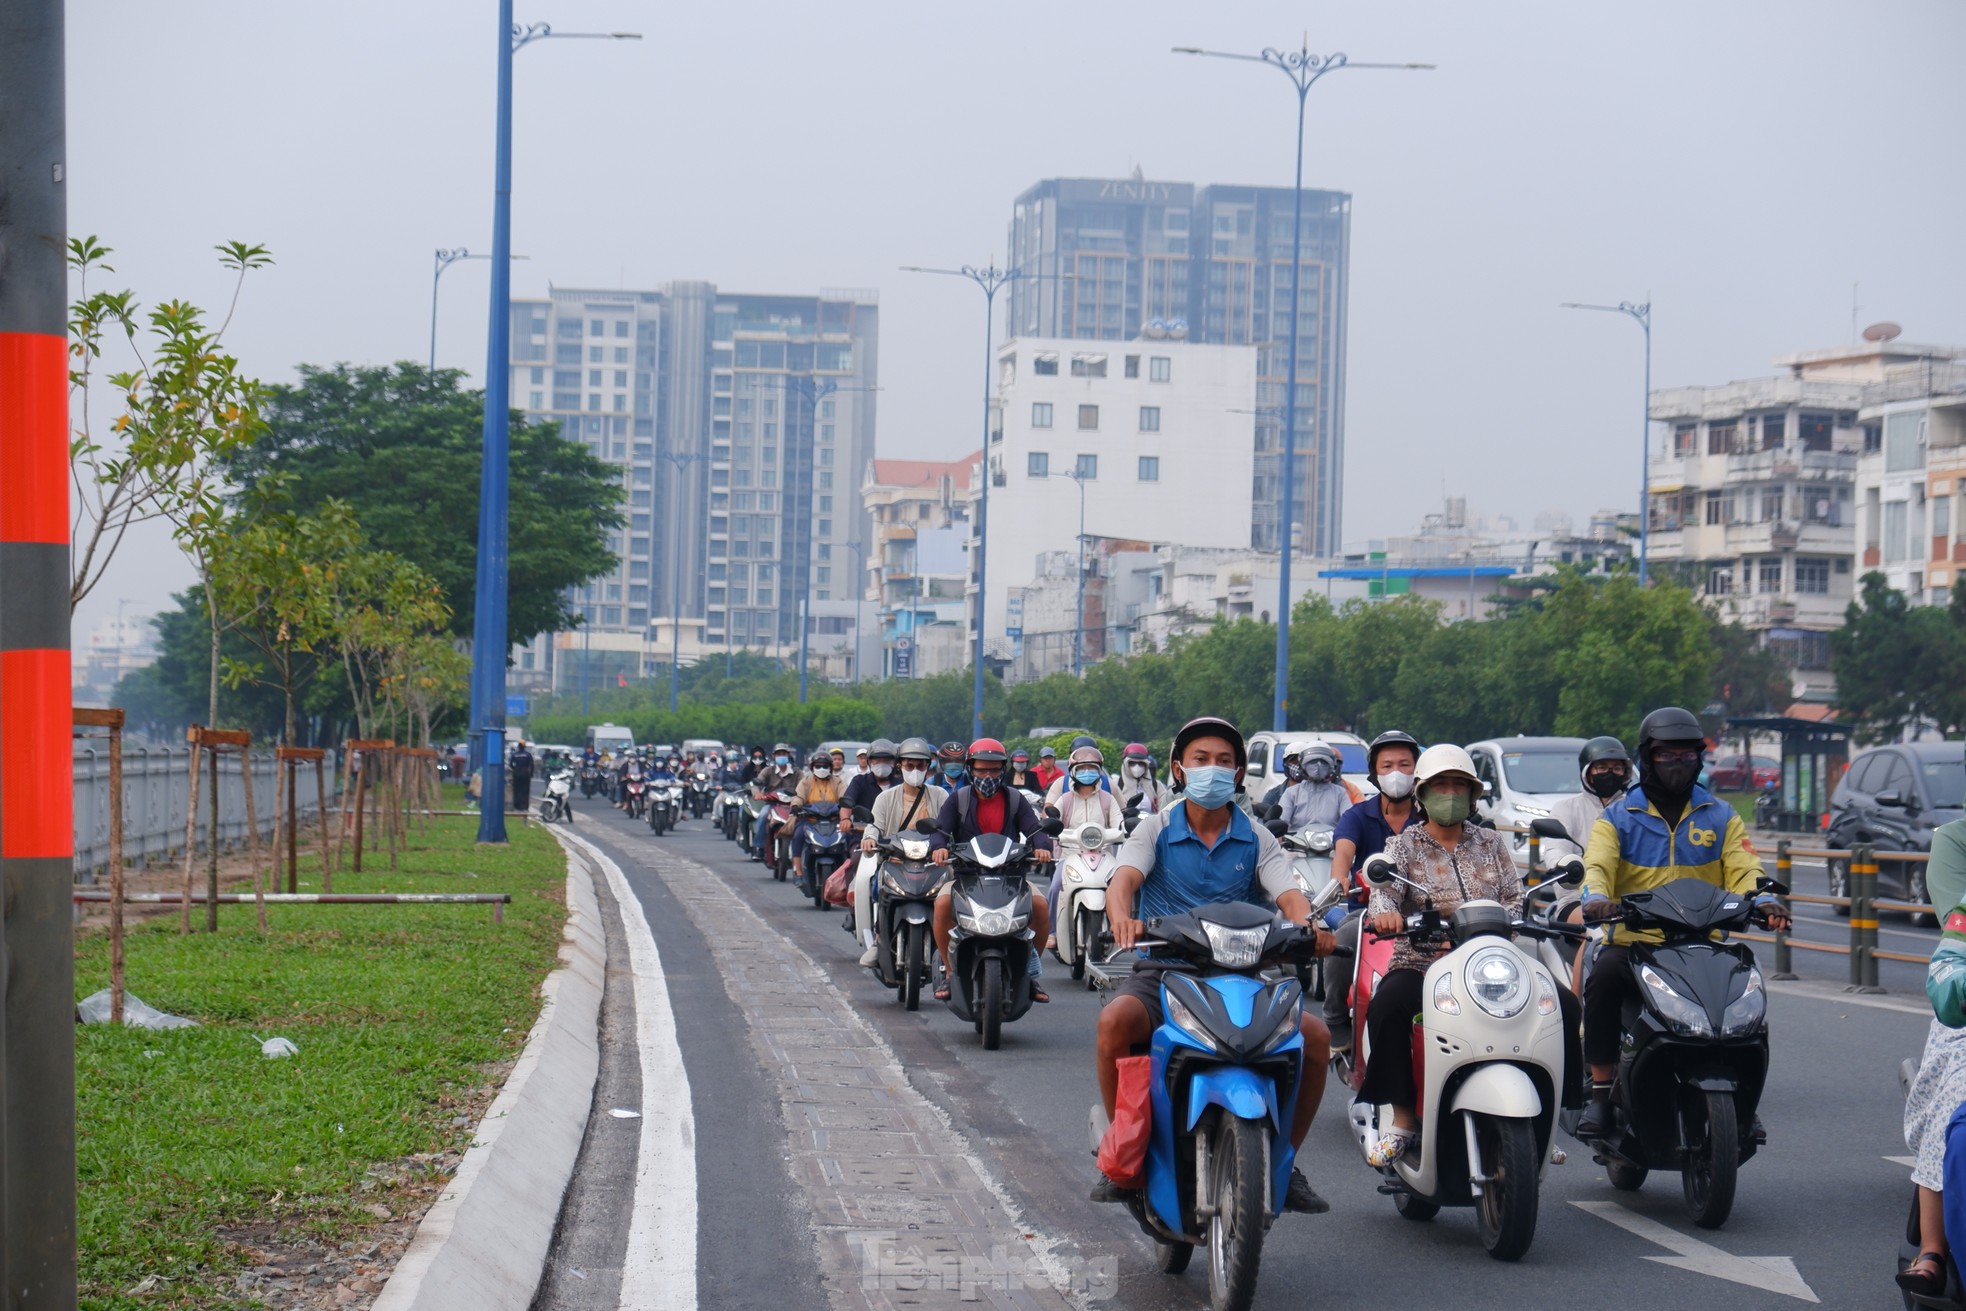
(869,956)
(1597,1120)
(1108,1191)
(1302,1198)
(1391,1146)
(1341,1038)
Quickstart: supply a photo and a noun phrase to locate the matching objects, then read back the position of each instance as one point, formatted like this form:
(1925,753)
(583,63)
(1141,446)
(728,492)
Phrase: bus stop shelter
(1814,755)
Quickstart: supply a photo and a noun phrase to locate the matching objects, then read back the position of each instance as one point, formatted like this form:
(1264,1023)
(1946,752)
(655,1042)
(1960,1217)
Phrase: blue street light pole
(1641,314)
(1303,69)
(488,628)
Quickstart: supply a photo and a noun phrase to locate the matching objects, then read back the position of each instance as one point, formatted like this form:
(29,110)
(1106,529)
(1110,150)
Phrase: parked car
(1266,757)
(1521,779)
(1893,797)
(1735,774)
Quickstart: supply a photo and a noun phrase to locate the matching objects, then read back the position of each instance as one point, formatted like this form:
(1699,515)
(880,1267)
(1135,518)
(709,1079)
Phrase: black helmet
(1600,749)
(1209,726)
(1667,724)
(1392,737)
(820,758)
(880,747)
(1084,740)
(916,748)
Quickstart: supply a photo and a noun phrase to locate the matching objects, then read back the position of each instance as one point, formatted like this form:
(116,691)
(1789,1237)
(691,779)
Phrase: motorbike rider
(731,773)
(1606,770)
(1322,796)
(1022,775)
(778,776)
(1363,832)
(1083,803)
(1199,852)
(1136,779)
(876,776)
(755,764)
(1666,827)
(631,768)
(1063,784)
(949,759)
(913,798)
(1454,860)
(1047,768)
(987,806)
(820,785)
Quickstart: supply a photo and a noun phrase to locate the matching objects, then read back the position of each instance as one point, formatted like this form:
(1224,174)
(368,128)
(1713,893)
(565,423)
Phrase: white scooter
(1087,857)
(1488,1061)
(1310,855)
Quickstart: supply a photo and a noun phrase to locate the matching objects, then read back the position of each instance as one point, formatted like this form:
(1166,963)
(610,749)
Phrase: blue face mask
(1085,777)
(783,760)
(1210,786)
(987,785)
(954,773)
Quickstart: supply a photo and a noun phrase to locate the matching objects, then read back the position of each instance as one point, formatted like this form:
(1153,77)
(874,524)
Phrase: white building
(1912,466)
(1157,436)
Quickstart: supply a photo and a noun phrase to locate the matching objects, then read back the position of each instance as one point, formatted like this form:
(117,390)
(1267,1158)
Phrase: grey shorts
(1144,983)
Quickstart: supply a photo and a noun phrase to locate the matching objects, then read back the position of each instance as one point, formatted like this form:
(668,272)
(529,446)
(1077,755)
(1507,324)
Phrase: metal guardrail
(156,789)
(498,901)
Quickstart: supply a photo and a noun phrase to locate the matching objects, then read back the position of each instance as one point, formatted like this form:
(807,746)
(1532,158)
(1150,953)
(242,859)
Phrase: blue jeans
(764,828)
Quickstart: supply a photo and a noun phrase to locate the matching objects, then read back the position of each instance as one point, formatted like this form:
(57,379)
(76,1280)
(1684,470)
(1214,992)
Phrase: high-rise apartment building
(741,425)
(1104,259)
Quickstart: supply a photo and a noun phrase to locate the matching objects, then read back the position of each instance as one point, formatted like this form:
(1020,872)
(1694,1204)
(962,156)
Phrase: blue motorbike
(1227,1060)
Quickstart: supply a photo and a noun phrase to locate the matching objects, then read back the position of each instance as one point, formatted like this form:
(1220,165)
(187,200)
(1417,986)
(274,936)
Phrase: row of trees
(1897,664)
(332,523)
(1580,655)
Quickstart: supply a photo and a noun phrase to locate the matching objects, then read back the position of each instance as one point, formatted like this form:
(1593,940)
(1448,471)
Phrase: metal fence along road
(156,788)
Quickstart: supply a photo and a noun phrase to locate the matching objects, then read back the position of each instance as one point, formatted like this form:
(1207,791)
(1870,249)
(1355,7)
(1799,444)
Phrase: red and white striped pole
(37,831)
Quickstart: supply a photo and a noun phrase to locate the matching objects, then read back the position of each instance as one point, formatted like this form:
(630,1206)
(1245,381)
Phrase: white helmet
(1297,749)
(1444,759)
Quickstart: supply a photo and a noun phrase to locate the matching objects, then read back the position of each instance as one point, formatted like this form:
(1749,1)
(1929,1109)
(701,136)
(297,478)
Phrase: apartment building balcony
(1787,465)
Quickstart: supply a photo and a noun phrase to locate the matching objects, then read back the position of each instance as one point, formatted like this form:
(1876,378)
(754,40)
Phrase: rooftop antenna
(1853,311)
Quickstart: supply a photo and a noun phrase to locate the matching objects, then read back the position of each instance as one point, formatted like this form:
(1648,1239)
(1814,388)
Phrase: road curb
(482,1245)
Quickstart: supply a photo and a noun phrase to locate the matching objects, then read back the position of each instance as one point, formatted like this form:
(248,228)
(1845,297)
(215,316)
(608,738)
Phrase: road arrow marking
(1773,1274)
(1906,1161)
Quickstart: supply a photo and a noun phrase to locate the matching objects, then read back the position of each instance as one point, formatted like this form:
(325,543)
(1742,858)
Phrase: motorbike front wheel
(1713,1155)
(1235,1232)
(1088,928)
(1505,1213)
(781,859)
(913,965)
(818,874)
(1172,1258)
(989,1004)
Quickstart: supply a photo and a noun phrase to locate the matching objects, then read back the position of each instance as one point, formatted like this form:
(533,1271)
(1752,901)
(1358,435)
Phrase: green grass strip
(398,1011)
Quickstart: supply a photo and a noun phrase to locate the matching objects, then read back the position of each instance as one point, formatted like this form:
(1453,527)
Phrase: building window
(1771,574)
(825,432)
(621,355)
(621,377)
(1150,418)
(825,527)
(1046,365)
(1160,368)
(1088,366)
(826,455)
(1771,505)
(1716,508)
(1133,366)
(1811,577)
(621,327)
(1894,532)
(1150,468)
(1814,430)
(1720,578)
(596,328)
(1774,427)
(596,355)
(825,573)
(1088,418)
(1941,523)
(536,400)
(1720,438)
(1087,468)
(1904,442)
(1041,414)
(593,377)
(825,505)
(1037,464)
(1873,438)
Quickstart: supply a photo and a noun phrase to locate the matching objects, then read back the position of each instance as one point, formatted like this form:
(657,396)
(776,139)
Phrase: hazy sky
(1744,163)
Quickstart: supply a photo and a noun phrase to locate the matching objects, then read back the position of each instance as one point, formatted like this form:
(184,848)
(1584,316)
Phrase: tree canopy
(402,448)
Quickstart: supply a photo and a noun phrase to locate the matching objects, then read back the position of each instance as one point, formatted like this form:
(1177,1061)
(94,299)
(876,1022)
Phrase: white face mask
(1137,770)
(913,777)
(1396,785)
(821,771)
(883,769)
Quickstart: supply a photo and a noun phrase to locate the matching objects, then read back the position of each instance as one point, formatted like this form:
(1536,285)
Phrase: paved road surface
(765,992)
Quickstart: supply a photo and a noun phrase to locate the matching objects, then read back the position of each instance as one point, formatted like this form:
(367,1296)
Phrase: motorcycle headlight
(1282,1033)
(1444,999)
(1235,949)
(1184,1019)
(1682,1016)
(1320,841)
(1495,981)
(1074,876)
(1745,1013)
(995,923)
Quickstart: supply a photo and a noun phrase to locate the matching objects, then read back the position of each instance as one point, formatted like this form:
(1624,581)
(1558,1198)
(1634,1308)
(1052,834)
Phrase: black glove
(1603,908)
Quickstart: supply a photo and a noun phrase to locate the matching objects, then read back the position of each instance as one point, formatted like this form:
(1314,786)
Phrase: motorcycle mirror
(1552,829)
(1053,826)
(1131,822)
(864,815)
(1051,812)
(1776,886)
(1276,827)
(1570,874)
(1378,872)
(924,826)
(1132,803)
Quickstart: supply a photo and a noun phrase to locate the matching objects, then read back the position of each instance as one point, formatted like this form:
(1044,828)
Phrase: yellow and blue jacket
(1632,848)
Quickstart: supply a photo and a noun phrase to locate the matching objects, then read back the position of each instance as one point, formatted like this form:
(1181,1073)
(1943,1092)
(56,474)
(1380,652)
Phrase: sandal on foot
(1391,1146)
(1039,995)
(1914,1280)
(942,991)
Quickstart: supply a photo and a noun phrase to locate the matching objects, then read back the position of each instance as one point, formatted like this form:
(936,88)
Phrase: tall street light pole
(1641,314)
(446,258)
(488,628)
(682,460)
(1303,69)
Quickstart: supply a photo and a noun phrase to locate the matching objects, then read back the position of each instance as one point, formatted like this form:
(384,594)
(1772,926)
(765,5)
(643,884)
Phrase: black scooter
(826,848)
(1694,1055)
(904,911)
(990,947)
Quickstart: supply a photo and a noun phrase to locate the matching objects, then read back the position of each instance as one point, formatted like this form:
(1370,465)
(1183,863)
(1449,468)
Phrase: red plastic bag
(839,884)
(1123,1151)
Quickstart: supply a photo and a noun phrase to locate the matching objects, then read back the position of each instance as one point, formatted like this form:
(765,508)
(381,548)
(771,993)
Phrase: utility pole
(37,822)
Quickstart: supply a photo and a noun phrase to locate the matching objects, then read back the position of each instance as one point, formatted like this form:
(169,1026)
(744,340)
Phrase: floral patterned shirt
(1480,867)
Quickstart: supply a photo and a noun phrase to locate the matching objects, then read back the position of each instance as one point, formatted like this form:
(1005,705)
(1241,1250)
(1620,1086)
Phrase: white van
(1266,758)
(609,737)
(705,746)
(1522,778)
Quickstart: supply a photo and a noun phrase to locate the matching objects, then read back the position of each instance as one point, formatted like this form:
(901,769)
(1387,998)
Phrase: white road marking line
(1836,996)
(1906,1161)
(1772,1274)
(659,1266)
